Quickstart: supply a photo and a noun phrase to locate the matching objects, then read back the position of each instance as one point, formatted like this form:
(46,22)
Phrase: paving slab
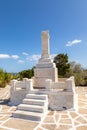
(82,128)
(20,124)
(49,126)
(49,120)
(63,127)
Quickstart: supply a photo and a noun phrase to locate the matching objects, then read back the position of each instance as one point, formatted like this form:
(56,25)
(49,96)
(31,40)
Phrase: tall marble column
(45,56)
(45,44)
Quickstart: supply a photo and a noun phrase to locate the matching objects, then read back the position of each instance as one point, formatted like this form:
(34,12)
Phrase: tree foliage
(79,73)
(76,67)
(26,73)
(61,61)
(4,78)
(67,69)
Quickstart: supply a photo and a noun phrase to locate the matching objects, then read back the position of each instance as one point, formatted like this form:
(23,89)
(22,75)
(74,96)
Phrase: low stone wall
(17,96)
(19,89)
(61,100)
(61,95)
(25,84)
(67,85)
(58,85)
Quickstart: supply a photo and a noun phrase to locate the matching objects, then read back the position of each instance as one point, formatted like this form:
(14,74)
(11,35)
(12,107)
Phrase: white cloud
(4,56)
(34,57)
(24,53)
(21,61)
(15,56)
(70,43)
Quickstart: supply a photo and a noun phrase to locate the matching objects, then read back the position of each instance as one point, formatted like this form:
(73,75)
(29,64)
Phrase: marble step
(28,115)
(36,96)
(35,102)
(32,108)
(37,91)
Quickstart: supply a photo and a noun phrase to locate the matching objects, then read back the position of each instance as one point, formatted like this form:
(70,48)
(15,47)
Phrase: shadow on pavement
(4,101)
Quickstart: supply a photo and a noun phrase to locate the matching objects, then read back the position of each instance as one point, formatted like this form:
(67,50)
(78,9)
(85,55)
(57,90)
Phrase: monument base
(63,100)
(59,100)
(44,71)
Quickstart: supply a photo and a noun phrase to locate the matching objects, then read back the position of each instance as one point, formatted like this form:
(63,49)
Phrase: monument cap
(45,34)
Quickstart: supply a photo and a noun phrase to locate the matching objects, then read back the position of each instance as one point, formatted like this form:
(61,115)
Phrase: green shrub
(4,78)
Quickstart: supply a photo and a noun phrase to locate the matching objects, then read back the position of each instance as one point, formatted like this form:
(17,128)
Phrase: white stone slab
(28,115)
(34,102)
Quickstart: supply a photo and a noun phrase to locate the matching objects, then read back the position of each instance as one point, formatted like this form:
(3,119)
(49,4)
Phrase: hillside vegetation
(64,67)
(67,69)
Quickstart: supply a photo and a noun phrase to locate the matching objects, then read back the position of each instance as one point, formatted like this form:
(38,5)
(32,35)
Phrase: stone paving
(55,120)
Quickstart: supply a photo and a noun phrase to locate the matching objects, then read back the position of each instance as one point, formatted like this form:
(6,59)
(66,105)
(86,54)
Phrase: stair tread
(28,113)
(38,95)
(33,106)
(34,100)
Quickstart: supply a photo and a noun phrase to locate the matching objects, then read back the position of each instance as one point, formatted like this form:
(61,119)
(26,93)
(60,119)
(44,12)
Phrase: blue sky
(21,24)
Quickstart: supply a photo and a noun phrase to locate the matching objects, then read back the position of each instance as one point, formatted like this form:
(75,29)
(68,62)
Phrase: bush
(4,78)
(79,80)
(26,74)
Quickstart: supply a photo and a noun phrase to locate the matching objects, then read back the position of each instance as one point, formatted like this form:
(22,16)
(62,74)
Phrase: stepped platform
(34,107)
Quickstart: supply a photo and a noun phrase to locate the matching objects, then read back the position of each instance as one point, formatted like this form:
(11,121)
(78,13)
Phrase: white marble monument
(45,69)
(56,95)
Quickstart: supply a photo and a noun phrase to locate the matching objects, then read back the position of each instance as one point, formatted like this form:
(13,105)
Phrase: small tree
(61,61)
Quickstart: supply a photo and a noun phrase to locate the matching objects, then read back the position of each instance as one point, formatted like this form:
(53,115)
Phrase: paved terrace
(55,120)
